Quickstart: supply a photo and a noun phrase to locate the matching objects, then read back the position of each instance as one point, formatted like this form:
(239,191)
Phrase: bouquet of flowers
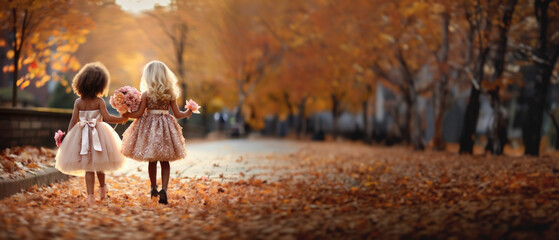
(126,99)
(193,106)
(58,137)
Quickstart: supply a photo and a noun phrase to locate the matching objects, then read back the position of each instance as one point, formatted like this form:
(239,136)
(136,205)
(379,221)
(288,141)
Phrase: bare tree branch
(163,26)
(151,38)
(530,52)
(269,28)
(468,72)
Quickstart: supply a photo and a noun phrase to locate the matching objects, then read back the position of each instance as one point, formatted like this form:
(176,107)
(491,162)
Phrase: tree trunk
(533,125)
(467,136)
(179,51)
(290,115)
(366,125)
(438,140)
(240,118)
(556,125)
(205,119)
(335,115)
(442,87)
(302,118)
(495,143)
(415,128)
(16,58)
(498,129)
(14,78)
(547,57)
(413,131)
(179,45)
(498,132)
(405,128)
(557,138)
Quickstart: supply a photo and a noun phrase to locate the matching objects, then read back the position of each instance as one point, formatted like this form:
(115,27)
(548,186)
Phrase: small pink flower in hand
(193,106)
(58,137)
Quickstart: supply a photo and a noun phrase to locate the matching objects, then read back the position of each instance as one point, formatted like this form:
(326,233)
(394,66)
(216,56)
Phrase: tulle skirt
(109,159)
(154,137)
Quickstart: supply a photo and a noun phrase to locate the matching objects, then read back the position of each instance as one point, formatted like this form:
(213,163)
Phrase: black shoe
(163,196)
(154,192)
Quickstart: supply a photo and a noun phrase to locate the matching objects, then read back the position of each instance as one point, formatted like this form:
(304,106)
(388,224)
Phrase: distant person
(91,145)
(156,136)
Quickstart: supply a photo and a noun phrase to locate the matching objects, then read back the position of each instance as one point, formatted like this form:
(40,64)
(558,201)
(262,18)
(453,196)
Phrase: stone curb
(49,175)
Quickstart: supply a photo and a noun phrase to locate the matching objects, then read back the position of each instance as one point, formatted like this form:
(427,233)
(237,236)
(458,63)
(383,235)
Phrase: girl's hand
(188,113)
(177,112)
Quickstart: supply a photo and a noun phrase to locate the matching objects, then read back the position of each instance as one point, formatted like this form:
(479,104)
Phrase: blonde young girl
(156,136)
(91,145)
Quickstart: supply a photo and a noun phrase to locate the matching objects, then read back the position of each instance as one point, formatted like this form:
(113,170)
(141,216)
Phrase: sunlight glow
(138,6)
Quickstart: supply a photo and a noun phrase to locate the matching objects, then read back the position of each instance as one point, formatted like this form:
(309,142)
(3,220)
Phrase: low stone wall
(36,126)
(31,126)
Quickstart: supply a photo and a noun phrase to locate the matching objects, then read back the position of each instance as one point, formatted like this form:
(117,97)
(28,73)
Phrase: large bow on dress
(85,136)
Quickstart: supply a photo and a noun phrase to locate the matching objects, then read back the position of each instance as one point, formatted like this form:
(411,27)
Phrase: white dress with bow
(91,145)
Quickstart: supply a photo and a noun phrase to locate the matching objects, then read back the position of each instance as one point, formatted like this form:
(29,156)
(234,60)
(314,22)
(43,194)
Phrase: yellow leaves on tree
(10,54)
(41,27)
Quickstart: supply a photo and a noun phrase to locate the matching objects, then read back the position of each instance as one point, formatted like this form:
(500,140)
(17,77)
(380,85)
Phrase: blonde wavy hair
(160,82)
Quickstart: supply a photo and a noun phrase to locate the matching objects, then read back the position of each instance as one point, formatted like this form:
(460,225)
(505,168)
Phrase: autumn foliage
(16,161)
(42,37)
(292,59)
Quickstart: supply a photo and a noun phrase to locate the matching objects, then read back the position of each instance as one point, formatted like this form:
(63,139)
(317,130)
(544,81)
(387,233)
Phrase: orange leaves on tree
(32,65)
(43,81)
(10,54)
(19,81)
(25,84)
(42,31)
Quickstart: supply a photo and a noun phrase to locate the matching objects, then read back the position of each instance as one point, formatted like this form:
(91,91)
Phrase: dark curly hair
(91,81)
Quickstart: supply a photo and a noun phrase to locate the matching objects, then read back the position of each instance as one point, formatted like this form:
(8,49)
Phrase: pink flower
(193,106)
(117,98)
(133,107)
(122,109)
(58,137)
(126,99)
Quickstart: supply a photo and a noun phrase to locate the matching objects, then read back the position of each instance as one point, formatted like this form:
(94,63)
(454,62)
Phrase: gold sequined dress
(156,136)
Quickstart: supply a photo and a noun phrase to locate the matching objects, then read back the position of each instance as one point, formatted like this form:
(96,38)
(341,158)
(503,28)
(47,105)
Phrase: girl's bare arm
(178,113)
(75,115)
(108,117)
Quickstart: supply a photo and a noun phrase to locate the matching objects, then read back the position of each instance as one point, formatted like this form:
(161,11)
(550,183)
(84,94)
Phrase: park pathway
(223,159)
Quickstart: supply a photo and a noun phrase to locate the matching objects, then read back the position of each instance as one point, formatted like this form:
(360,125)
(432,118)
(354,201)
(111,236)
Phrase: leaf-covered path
(321,190)
(222,159)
